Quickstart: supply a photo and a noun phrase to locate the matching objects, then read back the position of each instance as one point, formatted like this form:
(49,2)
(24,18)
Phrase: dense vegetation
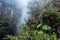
(44,27)
(8,18)
(43,23)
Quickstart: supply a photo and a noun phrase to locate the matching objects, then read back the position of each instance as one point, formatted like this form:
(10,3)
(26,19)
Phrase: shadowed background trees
(9,15)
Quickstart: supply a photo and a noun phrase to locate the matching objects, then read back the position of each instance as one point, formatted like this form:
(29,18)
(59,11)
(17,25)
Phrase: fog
(22,5)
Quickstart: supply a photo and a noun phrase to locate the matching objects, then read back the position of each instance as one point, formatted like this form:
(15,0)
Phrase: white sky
(23,4)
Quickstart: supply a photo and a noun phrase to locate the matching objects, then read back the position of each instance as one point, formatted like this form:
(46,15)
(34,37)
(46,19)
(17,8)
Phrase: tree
(8,18)
(35,6)
(42,30)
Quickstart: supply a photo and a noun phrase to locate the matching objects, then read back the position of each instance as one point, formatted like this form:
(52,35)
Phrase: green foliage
(41,28)
(51,17)
(46,27)
(46,12)
(28,34)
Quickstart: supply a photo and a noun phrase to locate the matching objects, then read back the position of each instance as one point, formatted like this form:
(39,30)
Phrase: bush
(28,34)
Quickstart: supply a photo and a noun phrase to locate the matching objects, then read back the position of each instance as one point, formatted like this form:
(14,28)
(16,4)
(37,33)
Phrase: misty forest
(29,19)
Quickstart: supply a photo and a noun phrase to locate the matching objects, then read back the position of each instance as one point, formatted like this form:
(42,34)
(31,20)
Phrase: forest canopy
(45,28)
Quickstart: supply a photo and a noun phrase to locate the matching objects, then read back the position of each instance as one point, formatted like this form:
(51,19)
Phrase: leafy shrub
(28,34)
